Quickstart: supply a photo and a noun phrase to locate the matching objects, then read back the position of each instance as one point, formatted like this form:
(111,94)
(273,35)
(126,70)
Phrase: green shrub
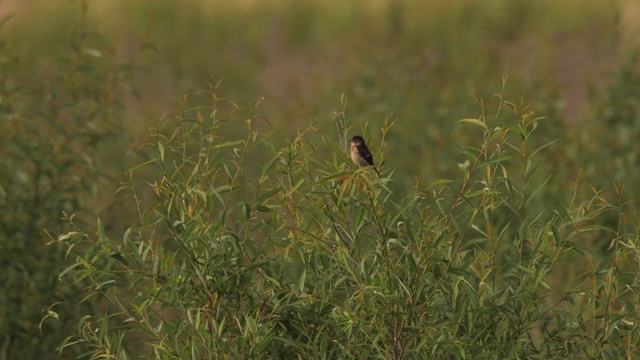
(254,247)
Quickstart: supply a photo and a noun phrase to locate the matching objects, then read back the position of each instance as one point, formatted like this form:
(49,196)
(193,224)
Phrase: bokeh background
(83,81)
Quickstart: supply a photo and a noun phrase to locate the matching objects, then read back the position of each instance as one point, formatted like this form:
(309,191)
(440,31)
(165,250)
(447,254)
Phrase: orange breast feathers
(357,158)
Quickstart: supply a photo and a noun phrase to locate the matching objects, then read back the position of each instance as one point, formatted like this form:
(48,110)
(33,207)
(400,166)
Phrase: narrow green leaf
(103,328)
(161,151)
(247,210)
(228,143)
(296,186)
(66,270)
(302,280)
(221,190)
(82,321)
(268,194)
(460,271)
(556,234)
(101,233)
(143,164)
(475,122)
(269,165)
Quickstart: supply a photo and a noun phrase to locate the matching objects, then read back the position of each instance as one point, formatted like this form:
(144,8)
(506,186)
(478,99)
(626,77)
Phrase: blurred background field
(419,62)
(83,81)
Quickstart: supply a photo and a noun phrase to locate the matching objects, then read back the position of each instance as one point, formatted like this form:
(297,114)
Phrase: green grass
(517,236)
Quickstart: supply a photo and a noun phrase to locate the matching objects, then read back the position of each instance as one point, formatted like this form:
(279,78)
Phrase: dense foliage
(293,255)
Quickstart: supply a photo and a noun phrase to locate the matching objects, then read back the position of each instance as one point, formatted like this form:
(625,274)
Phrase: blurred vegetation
(83,82)
(63,150)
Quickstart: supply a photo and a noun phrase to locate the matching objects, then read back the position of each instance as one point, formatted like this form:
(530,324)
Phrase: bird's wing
(366,154)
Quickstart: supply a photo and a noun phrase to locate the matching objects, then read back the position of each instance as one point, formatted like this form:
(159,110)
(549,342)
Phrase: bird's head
(357,140)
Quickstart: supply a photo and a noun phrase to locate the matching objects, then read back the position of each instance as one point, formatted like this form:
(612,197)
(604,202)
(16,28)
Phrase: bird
(360,154)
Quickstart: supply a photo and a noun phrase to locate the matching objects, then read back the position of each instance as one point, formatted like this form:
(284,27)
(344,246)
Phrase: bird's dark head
(357,140)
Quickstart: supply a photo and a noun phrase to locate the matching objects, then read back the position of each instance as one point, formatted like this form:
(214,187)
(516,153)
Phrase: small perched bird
(360,154)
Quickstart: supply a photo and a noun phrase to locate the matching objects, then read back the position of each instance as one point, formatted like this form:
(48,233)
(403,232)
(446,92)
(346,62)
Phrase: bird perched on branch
(360,154)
